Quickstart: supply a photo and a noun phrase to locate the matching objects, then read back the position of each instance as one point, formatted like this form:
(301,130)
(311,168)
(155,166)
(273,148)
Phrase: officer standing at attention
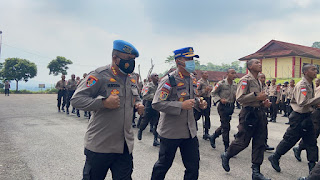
(300,120)
(175,98)
(62,93)
(6,88)
(225,93)
(274,97)
(71,86)
(150,114)
(252,121)
(204,90)
(111,93)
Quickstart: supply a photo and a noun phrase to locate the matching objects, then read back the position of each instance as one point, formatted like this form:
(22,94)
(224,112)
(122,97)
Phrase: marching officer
(150,114)
(175,98)
(225,93)
(274,97)
(252,120)
(300,120)
(71,87)
(204,90)
(289,97)
(62,93)
(283,97)
(111,93)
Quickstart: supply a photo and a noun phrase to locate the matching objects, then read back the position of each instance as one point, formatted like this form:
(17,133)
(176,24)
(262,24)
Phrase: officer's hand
(261,96)
(112,102)
(203,104)
(188,104)
(223,101)
(266,103)
(140,108)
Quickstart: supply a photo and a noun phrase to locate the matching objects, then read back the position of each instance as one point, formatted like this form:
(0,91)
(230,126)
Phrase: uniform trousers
(151,116)
(273,107)
(225,112)
(70,94)
(206,113)
(189,149)
(62,94)
(289,108)
(257,133)
(315,173)
(316,123)
(6,92)
(98,164)
(300,127)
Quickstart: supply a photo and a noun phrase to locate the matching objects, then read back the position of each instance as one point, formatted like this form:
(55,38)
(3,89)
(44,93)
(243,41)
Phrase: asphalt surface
(37,142)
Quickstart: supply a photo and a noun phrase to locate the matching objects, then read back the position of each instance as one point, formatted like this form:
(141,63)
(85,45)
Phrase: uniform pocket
(135,95)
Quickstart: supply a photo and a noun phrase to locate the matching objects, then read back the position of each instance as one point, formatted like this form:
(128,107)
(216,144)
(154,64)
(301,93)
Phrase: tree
(316,45)
(59,65)
(170,59)
(18,69)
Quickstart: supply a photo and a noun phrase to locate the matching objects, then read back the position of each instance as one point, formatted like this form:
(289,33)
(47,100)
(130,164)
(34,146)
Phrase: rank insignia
(198,84)
(115,92)
(163,95)
(180,84)
(181,76)
(304,91)
(181,99)
(216,86)
(112,80)
(133,80)
(91,81)
(194,81)
(114,71)
(244,84)
(183,94)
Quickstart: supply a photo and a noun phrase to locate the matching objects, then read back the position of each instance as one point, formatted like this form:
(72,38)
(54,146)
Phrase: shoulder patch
(304,91)
(163,95)
(92,80)
(244,84)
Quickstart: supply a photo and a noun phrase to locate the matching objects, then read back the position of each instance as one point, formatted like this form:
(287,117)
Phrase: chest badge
(180,84)
(183,94)
(112,80)
(133,80)
(115,91)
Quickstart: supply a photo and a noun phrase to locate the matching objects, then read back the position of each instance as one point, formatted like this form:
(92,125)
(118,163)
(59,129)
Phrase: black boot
(274,160)
(139,134)
(151,128)
(85,114)
(73,111)
(297,153)
(58,109)
(268,148)
(63,109)
(78,113)
(213,140)
(311,166)
(256,175)
(206,135)
(67,110)
(303,178)
(225,161)
(226,146)
(155,140)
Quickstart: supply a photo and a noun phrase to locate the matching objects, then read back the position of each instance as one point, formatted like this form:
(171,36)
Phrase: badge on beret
(181,99)
(127,49)
(133,80)
(115,91)
(244,84)
(180,84)
(163,95)
(114,71)
(112,80)
(183,94)
(304,91)
(91,81)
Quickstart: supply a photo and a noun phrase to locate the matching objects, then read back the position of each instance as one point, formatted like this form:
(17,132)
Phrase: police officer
(62,93)
(204,90)
(315,116)
(175,99)
(252,121)
(274,97)
(267,88)
(225,93)
(111,93)
(150,114)
(262,79)
(289,97)
(283,97)
(71,87)
(6,88)
(300,120)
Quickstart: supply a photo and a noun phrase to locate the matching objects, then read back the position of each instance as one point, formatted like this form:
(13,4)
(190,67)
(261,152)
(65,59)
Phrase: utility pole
(0,43)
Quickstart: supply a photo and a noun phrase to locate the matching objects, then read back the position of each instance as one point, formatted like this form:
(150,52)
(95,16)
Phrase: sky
(83,31)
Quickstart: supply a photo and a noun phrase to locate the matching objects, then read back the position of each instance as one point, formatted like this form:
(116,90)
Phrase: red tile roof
(280,49)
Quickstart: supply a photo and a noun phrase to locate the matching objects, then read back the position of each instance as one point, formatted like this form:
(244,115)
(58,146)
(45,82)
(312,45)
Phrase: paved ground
(37,142)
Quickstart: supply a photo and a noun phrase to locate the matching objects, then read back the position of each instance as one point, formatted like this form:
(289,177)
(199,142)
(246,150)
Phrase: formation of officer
(151,115)
(225,93)
(175,98)
(204,90)
(274,97)
(111,93)
(62,93)
(301,126)
(252,120)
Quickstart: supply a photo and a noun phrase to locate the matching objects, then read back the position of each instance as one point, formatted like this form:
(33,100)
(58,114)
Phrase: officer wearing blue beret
(175,98)
(111,93)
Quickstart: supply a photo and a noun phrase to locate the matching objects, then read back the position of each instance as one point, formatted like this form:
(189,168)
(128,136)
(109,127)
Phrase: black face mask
(126,66)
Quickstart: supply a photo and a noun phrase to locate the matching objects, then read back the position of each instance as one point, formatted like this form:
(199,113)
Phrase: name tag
(113,85)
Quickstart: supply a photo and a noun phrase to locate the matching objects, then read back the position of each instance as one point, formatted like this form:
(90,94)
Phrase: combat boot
(155,140)
(274,160)
(78,113)
(213,140)
(268,148)
(139,134)
(206,135)
(297,153)
(67,111)
(73,111)
(225,161)
(303,178)
(226,146)
(59,110)
(311,166)
(256,175)
(63,109)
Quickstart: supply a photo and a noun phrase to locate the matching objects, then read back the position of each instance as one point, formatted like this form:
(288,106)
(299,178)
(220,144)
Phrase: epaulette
(100,69)
(172,80)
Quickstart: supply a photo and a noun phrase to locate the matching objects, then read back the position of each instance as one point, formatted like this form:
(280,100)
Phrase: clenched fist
(112,102)
(261,96)
(203,104)
(188,104)
(267,103)
(140,108)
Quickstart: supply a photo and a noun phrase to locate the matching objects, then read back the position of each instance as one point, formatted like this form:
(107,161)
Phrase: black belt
(273,96)
(228,104)
(256,108)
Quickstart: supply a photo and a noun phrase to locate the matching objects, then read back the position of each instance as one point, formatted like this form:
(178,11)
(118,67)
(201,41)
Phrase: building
(284,60)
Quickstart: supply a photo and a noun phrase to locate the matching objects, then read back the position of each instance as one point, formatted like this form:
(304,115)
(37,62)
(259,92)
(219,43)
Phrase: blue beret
(184,52)
(125,47)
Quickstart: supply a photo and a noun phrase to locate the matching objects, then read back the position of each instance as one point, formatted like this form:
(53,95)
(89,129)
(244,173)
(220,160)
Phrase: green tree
(59,65)
(316,45)
(18,69)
